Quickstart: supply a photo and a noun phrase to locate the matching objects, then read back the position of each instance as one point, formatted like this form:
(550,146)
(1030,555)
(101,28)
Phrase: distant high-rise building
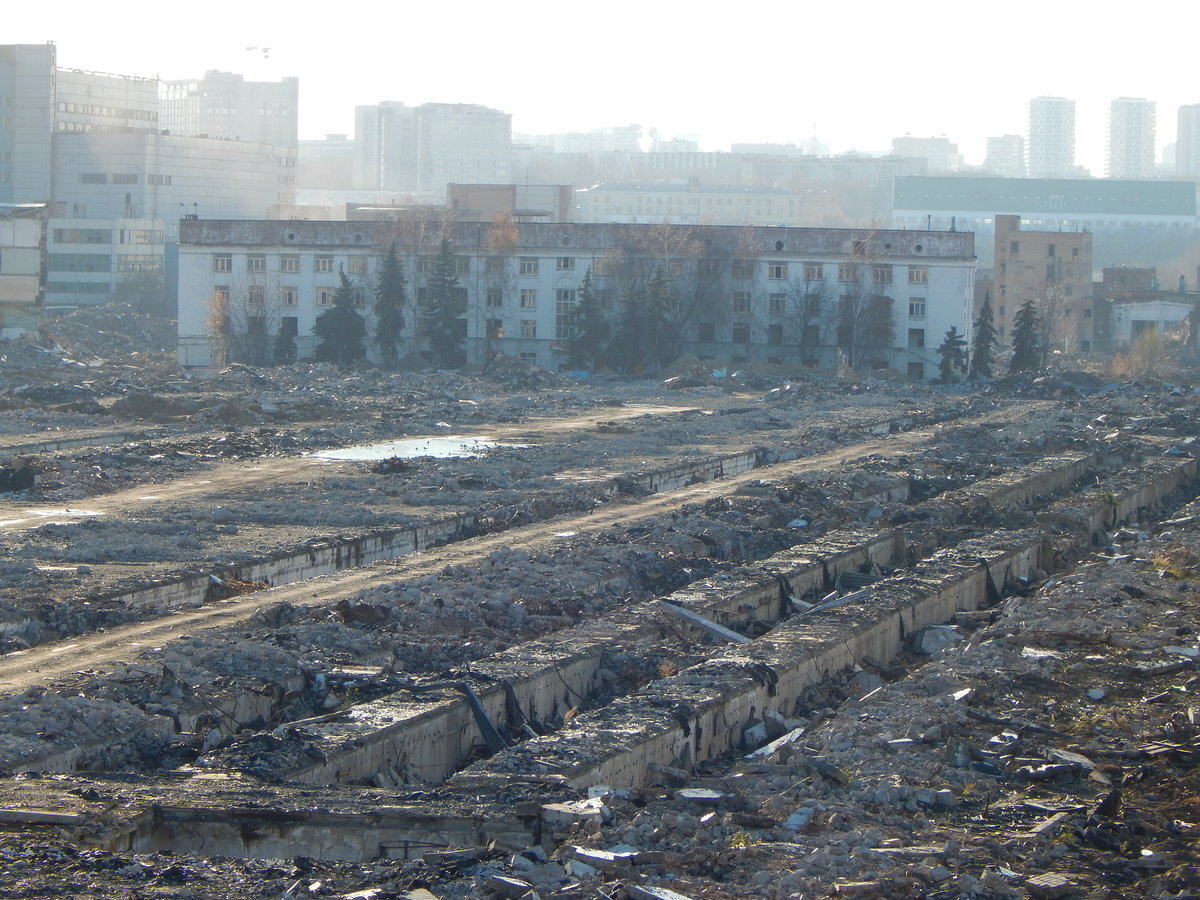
(1051,137)
(942,155)
(424,148)
(1131,138)
(26,122)
(225,105)
(609,139)
(1187,142)
(1006,156)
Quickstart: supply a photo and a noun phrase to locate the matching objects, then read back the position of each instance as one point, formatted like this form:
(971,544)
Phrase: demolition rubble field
(1041,744)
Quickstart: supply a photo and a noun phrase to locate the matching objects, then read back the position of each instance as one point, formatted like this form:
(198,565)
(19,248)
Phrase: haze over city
(855,76)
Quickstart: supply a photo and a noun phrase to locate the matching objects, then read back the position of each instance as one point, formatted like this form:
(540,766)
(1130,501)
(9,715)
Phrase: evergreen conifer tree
(443,310)
(590,329)
(391,298)
(341,330)
(984,344)
(952,356)
(1026,329)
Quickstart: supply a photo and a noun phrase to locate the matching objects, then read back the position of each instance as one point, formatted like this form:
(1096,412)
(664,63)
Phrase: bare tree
(499,278)
(218,325)
(865,328)
(1059,324)
(252,312)
(810,302)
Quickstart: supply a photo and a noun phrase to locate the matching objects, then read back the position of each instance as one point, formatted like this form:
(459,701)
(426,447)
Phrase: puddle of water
(448,447)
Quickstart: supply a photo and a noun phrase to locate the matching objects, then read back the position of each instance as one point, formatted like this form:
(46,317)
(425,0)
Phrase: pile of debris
(111,331)
(519,374)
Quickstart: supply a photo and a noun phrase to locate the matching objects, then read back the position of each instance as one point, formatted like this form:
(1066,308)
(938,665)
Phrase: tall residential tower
(1051,137)
(1131,138)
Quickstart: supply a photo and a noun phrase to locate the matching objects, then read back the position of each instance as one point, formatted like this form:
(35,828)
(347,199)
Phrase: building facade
(164,177)
(27,90)
(1052,268)
(941,154)
(1187,142)
(22,258)
(92,146)
(97,103)
(1131,150)
(1051,143)
(1005,156)
(421,149)
(90,261)
(226,105)
(787,296)
(1129,219)
(690,203)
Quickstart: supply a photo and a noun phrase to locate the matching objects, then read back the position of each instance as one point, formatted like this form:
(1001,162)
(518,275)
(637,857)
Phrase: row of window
(257,262)
(777,304)
(148,236)
(257,294)
(776,270)
(88,109)
(122,178)
(531,266)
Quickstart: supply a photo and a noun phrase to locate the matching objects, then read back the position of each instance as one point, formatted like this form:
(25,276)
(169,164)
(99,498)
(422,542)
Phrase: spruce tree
(443,310)
(590,331)
(952,356)
(657,320)
(391,297)
(629,346)
(1026,328)
(284,349)
(984,344)
(340,330)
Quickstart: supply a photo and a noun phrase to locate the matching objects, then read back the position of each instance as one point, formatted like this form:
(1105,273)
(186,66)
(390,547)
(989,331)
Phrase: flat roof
(1027,196)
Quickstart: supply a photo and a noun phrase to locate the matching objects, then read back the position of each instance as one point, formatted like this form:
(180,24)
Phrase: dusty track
(230,478)
(19,671)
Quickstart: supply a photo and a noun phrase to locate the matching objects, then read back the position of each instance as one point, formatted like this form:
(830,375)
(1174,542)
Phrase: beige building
(1052,268)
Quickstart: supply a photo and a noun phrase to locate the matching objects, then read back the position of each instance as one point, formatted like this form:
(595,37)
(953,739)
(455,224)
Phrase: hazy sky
(858,73)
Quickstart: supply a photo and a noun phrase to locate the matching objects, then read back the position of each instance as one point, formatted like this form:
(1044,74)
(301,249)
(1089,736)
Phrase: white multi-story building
(779,295)
(423,148)
(688,203)
(941,154)
(225,105)
(160,176)
(1051,144)
(90,261)
(92,145)
(1187,142)
(96,103)
(1131,138)
(26,122)
(1005,156)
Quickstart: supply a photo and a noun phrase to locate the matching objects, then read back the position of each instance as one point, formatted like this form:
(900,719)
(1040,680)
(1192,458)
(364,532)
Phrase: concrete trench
(698,714)
(426,741)
(324,557)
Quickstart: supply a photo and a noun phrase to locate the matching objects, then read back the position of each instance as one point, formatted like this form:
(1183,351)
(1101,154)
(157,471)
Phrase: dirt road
(23,669)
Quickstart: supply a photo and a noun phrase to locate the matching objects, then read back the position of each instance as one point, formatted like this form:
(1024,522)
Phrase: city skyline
(719,79)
